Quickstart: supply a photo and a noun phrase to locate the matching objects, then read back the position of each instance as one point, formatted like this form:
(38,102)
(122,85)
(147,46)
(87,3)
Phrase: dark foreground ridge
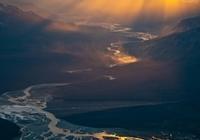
(181,117)
(8,130)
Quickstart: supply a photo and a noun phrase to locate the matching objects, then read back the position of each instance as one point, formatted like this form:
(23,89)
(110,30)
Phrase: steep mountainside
(182,45)
(188,24)
(183,50)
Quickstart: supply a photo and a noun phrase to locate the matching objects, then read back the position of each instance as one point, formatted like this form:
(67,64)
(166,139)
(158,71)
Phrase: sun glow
(111,8)
(129,9)
(120,10)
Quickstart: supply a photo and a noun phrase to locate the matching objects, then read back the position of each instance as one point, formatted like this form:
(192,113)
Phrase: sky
(111,10)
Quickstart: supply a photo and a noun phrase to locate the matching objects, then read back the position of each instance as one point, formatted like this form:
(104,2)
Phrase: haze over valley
(99,69)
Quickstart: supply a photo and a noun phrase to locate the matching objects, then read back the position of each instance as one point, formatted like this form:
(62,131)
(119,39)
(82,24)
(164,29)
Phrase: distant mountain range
(18,14)
(27,42)
(15,22)
(34,43)
(18,26)
(24,30)
(45,41)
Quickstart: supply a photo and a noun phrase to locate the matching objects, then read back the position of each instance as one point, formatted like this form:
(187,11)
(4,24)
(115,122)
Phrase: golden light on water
(119,56)
(125,59)
(104,135)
